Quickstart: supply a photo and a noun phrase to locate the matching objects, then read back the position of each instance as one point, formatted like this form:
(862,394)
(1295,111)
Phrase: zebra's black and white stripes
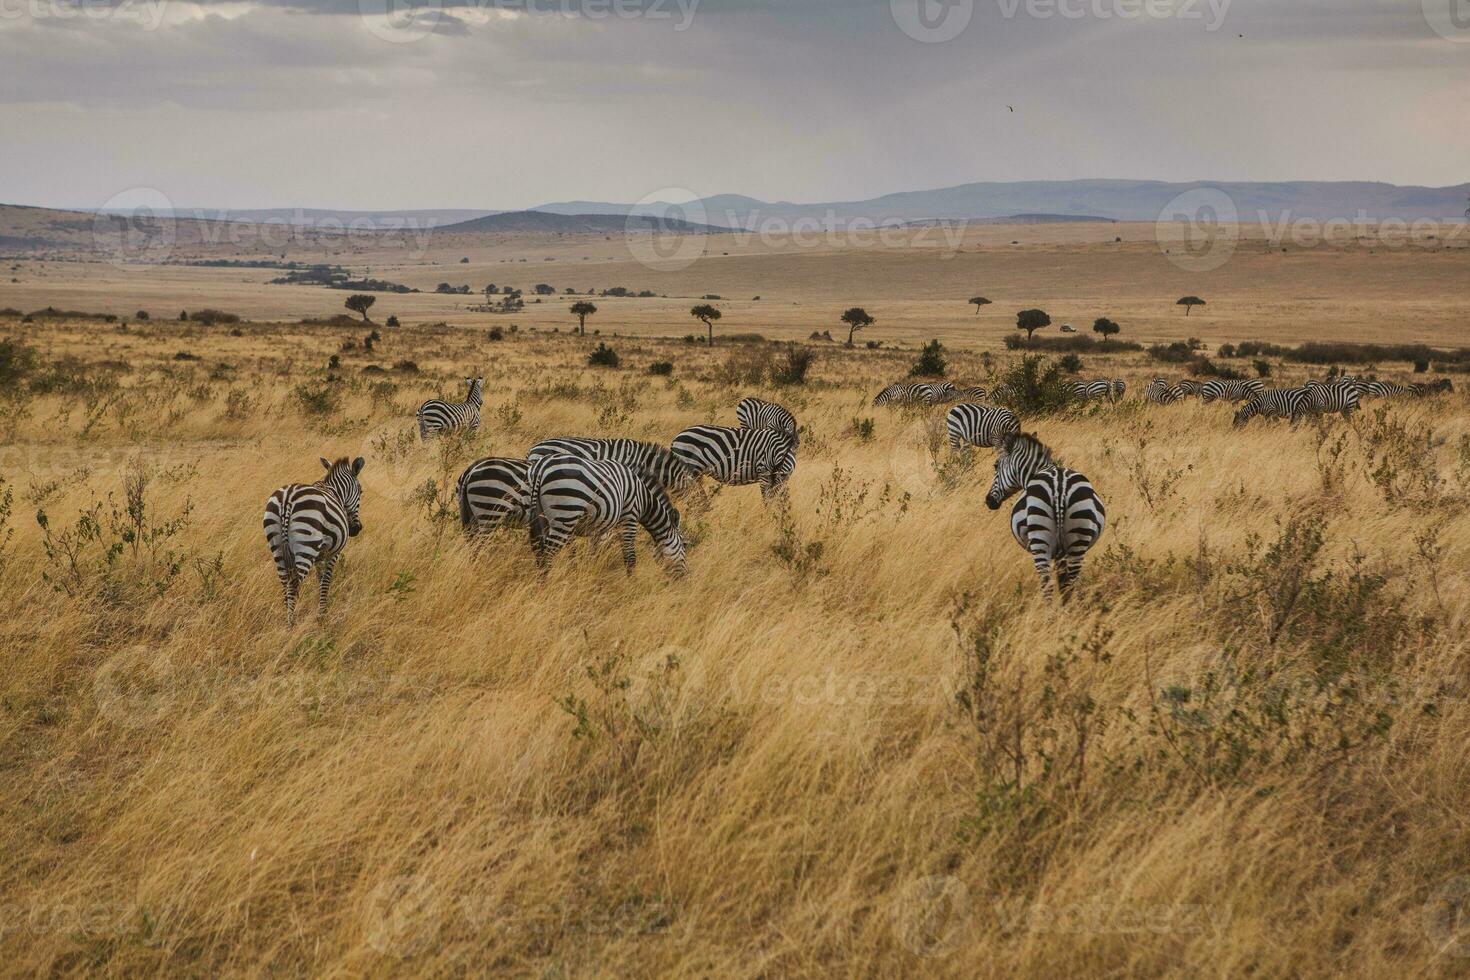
(1281,403)
(1104,390)
(903,393)
(307,525)
(979,425)
(658,462)
(1230,391)
(493,492)
(755,413)
(1339,397)
(1059,515)
(435,416)
(571,495)
(972,393)
(1161,392)
(738,456)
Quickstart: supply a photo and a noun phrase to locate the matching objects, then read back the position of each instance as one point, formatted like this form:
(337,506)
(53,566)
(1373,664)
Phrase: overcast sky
(284,103)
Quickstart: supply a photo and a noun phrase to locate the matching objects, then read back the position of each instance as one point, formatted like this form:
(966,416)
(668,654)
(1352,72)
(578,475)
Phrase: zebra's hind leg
(1068,570)
(628,534)
(325,575)
(289,585)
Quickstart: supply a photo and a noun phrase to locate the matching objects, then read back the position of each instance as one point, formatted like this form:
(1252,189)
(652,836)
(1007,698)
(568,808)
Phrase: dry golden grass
(852,741)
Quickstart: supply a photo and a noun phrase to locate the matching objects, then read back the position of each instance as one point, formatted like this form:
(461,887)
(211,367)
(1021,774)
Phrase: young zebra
(1058,517)
(1337,398)
(1230,391)
(738,456)
(903,394)
(1281,403)
(493,492)
(754,413)
(308,524)
(435,416)
(972,393)
(589,497)
(1160,392)
(661,465)
(978,425)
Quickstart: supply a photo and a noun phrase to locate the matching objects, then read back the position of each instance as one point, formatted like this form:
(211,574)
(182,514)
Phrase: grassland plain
(852,741)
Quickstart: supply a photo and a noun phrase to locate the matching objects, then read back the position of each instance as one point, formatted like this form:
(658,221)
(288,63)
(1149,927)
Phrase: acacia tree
(1189,303)
(708,315)
(977,302)
(1032,321)
(1105,327)
(856,319)
(360,303)
(582,310)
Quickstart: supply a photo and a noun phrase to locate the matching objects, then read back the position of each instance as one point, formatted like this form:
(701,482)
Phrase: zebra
(977,425)
(1189,387)
(1424,389)
(589,497)
(941,392)
(738,456)
(1160,392)
(914,393)
(659,463)
(1090,390)
(493,492)
(1341,397)
(435,416)
(1002,394)
(308,524)
(754,413)
(1058,516)
(1230,391)
(1120,387)
(1281,403)
(972,393)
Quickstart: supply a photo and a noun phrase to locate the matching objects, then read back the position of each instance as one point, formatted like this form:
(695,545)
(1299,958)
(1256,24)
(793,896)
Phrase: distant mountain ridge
(521,222)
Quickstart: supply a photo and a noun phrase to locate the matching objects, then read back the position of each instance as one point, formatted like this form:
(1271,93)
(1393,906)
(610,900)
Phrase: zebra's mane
(1021,441)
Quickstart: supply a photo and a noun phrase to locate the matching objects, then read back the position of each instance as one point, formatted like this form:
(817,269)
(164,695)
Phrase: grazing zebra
(754,413)
(1002,394)
(1090,390)
(1230,391)
(661,465)
(435,416)
(1120,388)
(738,456)
(978,425)
(1387,389)
(913,393)
(1341,397)
(493,492)
(1160,392)
(308,524)
(1281,403)
(972,393)
(1189,387)
(1058,516)
(941,392)
(589,497)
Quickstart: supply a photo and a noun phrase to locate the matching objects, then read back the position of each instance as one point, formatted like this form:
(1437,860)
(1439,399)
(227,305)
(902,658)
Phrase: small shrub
(1035,386)
(496,334)
(392,321)
(792,367)
(661,368)
(1071,363)
(873,344)
(334,362)
(1263,368)
(406,367)
(184,355)
(930,363)
(603,356)
(16,364)
(862,429)
(1421,365)
(141,315)
(316,399)
(1227,350)
(211,318)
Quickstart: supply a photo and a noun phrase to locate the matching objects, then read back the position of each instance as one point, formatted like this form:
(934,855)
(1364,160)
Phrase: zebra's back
(756,413)
(494,491)
(1058,518)
(979,425)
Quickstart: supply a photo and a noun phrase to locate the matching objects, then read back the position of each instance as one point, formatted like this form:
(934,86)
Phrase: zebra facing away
(590,497)
(1058,516)
(435,416)
(979,425)
(667,469)
(1281,403)
(1230,391)
(1160,392)
(1093,390)
(307,525)
(493,492)
(756,413)
(738,456)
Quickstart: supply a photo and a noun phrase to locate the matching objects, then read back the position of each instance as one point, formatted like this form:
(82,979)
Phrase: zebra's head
(342,478)
(1021,455)
(1246,412)
(476,388)
(661,519)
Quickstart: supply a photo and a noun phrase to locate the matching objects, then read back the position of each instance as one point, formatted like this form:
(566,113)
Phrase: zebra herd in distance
(589,487)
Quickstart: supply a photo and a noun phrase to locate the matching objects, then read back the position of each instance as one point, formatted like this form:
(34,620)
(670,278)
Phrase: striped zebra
(1002,394)
(571,495)
(308,524)
(754,413)
(1160,392)
(1230,391)
(1189,387)
(979,425)
(914,393)
(972,393)
(1341,397)
(1058,516)
(943,392)
(1090,390)
(738,456)
(658,462)
(1280,403)
(435,416)
(493,492)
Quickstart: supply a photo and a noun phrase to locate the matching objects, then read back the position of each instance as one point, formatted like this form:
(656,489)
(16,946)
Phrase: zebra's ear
(326,463)
(357,465)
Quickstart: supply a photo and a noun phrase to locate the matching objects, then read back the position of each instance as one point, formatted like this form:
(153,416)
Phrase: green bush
(792,368)
(603,356)
(661,368)
(930,363)
(1035,386)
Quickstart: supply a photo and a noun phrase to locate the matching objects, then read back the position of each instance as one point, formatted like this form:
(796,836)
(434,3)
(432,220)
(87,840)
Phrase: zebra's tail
(423,426)
(466,515)
(288,554)
(539,523)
